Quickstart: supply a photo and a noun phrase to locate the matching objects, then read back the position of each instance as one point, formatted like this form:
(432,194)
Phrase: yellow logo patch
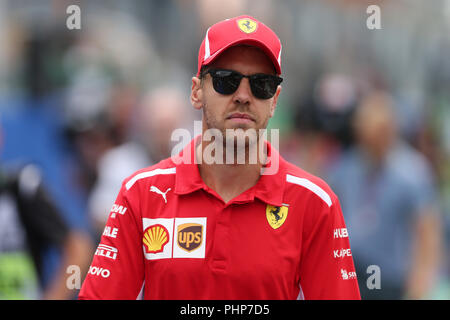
(247,25)
(276,215)
(155,238)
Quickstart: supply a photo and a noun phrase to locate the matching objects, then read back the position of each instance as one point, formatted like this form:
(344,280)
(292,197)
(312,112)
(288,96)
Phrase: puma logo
(163,194)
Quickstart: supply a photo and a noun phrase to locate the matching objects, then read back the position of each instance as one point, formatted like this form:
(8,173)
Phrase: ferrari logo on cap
(247,25)
(276,215)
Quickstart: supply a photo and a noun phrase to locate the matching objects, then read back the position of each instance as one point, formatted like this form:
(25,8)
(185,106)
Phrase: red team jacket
(169,236)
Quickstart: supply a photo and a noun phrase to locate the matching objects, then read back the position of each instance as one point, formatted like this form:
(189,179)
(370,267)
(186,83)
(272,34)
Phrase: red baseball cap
(239,30)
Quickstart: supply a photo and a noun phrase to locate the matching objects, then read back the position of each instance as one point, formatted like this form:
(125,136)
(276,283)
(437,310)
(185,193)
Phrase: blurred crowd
(366,110)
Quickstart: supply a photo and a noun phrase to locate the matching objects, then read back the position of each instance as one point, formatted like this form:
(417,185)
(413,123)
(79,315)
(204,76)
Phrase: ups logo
(190,236)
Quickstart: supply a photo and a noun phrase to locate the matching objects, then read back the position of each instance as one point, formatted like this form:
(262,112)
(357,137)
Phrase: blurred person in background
(322,127)
(95,118)
(389,199)
(29,224)
(161,111)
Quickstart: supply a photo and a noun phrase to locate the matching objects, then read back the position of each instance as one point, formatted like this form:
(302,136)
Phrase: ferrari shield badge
(276,215)
(247,25)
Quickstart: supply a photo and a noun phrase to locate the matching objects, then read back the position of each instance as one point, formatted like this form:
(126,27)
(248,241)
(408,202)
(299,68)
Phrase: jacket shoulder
(165,168)
(297,177)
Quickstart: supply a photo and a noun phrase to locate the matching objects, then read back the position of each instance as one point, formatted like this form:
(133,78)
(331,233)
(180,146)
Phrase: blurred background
(366,110)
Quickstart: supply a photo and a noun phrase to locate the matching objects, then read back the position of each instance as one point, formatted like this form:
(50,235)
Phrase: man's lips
(239,116)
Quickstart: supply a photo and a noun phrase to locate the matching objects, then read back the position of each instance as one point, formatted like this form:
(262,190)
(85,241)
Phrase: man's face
(374,124)
(240,109)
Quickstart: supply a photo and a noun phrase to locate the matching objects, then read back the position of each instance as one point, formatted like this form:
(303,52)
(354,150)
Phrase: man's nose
(243,93)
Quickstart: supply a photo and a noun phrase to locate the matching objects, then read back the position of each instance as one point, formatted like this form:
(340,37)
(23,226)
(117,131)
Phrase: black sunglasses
(225,81)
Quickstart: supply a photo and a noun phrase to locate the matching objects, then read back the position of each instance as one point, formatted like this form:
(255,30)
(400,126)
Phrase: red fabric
(235,253)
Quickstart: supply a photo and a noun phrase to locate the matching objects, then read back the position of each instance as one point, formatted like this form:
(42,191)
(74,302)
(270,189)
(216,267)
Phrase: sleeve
(117,269)
(422,194)
(42,220)
(38,211)
(326,266)
(44,224)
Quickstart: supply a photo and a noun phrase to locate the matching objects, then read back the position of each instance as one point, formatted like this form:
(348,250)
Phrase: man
(192,228)
(389,198)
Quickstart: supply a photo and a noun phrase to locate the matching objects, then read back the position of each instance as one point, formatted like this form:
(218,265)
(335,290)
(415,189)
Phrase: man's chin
(241,127)
(241,135)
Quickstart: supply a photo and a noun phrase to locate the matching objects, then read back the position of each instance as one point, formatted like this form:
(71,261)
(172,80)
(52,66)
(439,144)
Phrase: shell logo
(155,238)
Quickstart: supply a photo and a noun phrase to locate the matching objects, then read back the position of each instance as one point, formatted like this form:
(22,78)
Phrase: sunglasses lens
(226,82)
(263,87)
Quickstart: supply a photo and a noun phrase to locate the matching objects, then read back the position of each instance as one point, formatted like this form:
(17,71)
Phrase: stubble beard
(232,137)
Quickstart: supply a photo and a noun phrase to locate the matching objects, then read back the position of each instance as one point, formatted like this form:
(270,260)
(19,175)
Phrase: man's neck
(228,180)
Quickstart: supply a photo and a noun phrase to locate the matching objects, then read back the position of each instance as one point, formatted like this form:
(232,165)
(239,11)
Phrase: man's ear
(196,93)
(273,106)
